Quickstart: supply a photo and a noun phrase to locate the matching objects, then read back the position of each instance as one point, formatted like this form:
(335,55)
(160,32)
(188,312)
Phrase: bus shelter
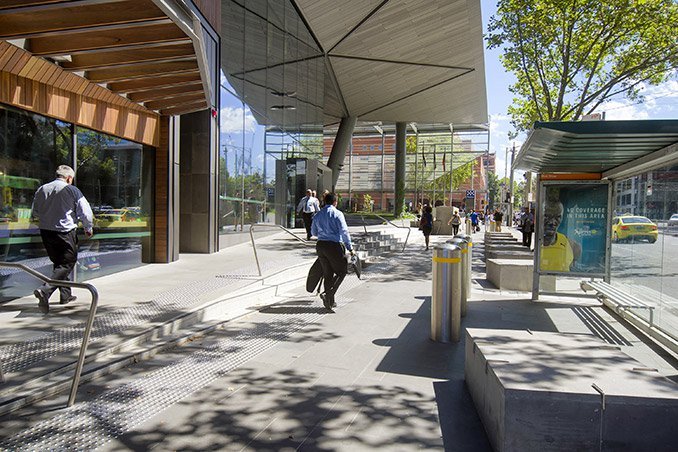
(579,165)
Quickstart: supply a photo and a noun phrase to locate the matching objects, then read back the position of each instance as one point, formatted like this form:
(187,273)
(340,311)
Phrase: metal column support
(336,159)
(400,156)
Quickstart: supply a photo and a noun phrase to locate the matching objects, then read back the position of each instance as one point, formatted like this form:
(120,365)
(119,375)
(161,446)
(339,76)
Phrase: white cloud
(232,120)
(659,102)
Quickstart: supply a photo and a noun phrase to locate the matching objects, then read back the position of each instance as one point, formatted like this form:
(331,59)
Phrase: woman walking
(455,221)
(426,223)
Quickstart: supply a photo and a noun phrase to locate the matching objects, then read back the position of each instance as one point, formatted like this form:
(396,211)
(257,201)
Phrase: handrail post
(362,217)
(254,248)
(88,326)
(83,346)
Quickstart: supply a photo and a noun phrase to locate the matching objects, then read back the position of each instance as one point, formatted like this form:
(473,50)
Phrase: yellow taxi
(632,228)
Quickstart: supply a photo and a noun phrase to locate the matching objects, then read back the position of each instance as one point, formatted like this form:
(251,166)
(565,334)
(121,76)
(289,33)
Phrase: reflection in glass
(110,175)
(31,148)
(271,105)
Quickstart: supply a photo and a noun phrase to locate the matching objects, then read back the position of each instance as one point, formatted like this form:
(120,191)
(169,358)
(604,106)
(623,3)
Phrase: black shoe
(328,301)
(68,300)
(43,301)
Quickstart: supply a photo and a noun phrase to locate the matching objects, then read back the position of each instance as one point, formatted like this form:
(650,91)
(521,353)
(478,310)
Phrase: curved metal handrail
(276,226)
(409,229)
(88,326)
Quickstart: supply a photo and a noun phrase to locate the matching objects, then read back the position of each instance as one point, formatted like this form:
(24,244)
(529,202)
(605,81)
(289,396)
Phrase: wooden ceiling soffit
(34,84)
(138,71)
(191,25)
(109,59)
(154,82)
(177,101)
(164,93)
(184,109)
(56,17)
(126,36)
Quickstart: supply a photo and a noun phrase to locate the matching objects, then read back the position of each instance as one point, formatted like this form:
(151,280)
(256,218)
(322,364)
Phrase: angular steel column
(400,155)
(341,141)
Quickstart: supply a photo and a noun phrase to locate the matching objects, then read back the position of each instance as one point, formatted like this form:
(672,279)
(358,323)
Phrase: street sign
(470,194)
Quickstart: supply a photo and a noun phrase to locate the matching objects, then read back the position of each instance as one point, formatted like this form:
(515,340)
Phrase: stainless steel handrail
(88,326)
(277,226)
(409,229)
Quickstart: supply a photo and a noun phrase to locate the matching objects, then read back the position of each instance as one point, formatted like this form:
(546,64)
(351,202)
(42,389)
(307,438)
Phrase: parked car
(632,228)
(673,221)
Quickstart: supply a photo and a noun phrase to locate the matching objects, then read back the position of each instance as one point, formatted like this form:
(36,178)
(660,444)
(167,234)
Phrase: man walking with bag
(329,225)
(58,206)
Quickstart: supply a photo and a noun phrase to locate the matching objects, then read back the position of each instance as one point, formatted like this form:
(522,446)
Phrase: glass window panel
(110,173)
(31,148)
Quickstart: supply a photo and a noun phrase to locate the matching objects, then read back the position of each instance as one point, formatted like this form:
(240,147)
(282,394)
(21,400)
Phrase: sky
(661,102)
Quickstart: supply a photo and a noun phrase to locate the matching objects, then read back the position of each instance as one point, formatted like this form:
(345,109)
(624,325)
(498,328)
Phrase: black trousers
(62,249)
(527,239)
(331,257)
(455,229)
(308,221)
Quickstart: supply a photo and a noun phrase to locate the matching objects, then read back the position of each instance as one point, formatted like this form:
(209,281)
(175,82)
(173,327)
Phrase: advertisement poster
(574,228)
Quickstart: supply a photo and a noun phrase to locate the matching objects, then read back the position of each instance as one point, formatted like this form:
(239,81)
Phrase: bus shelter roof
(597,146)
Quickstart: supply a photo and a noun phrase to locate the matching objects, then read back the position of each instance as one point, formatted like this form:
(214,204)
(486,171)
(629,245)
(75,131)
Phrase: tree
(494,190)
(570,56)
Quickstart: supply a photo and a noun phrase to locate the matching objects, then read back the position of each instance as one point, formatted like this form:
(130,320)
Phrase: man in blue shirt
(58,206)
(329,225)
(474,220)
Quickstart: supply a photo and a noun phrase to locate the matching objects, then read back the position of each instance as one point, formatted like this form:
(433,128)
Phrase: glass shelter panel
(645,243)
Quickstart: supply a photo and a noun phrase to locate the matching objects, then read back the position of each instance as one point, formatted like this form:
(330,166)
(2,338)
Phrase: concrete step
(29,387)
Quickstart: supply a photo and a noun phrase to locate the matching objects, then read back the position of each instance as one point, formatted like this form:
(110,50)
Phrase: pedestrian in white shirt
(57,206)
(307,207)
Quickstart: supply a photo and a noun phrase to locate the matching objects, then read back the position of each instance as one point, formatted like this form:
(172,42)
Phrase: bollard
(493,226)
(446,294)
(468,226)
(465,281)
(466,275)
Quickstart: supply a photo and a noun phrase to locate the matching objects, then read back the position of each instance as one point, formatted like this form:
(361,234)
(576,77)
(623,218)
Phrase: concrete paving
(366,377)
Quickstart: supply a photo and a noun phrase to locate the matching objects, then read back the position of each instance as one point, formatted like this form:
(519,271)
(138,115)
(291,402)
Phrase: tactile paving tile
(91,424)
(25,354)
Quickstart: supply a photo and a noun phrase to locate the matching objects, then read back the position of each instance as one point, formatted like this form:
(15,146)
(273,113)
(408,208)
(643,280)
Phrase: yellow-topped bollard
(446,294)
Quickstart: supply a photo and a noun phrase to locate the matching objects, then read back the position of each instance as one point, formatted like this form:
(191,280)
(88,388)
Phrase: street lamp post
(509,219)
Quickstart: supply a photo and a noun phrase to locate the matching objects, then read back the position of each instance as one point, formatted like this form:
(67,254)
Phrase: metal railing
(88,326)
(409,229)
(274,226)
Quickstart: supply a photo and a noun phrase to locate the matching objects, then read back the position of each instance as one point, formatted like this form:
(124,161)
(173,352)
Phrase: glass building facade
(271,105)
(114,175)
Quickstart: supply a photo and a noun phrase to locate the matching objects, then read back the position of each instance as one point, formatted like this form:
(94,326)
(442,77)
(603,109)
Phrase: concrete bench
(502,254)
(516,274)
(615,298)
(564,392)
(505,247)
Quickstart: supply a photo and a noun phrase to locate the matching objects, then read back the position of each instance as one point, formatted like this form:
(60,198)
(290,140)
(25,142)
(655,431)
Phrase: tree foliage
(569,56)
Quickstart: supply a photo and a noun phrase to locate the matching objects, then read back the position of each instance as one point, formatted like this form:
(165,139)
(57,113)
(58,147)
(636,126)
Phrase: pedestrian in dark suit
(57,206)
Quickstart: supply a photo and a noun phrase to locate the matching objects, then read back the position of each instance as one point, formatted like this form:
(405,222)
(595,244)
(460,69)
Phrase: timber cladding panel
(34,84)
(211,9)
